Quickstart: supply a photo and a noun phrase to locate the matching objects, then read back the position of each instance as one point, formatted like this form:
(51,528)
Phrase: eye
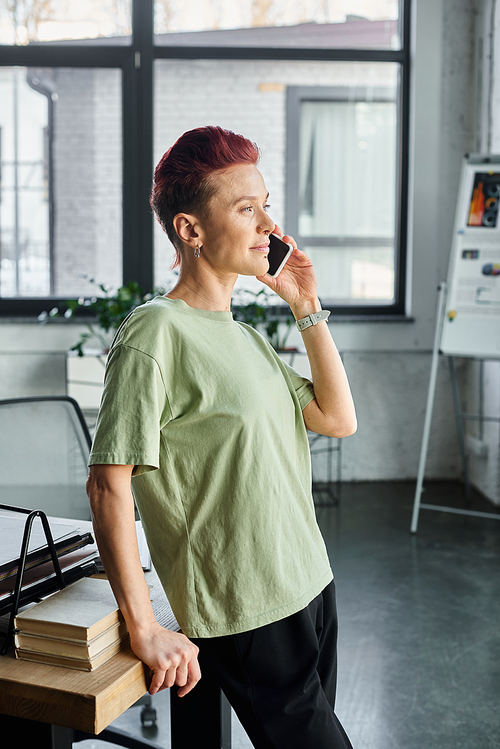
(267,206)
(248,208)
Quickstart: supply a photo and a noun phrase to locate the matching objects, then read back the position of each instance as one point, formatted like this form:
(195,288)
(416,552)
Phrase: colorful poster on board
(472,322)
(483,210)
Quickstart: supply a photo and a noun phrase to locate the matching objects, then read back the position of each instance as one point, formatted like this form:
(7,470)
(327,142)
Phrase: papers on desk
(160,603)
(66,539)
(144,554)
(75,548)
(41,580)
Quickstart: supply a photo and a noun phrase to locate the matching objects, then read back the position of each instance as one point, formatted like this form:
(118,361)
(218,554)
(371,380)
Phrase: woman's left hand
(296,284)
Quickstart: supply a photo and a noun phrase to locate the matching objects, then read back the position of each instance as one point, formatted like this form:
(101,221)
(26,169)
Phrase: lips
(261,247)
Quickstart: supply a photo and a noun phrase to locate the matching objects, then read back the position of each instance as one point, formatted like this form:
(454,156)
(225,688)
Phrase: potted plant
(110,307)
(85,363)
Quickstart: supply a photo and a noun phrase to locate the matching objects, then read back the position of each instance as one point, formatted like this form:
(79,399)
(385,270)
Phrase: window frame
(295,96)
(136,61)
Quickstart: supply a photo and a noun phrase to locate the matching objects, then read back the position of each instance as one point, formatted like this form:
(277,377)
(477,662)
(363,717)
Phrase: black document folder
(66,539)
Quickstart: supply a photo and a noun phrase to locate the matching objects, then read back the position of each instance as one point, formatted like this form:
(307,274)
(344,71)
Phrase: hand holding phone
(279,252)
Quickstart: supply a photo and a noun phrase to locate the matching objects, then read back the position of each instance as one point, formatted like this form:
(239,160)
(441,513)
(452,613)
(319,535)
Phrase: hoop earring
(197,251)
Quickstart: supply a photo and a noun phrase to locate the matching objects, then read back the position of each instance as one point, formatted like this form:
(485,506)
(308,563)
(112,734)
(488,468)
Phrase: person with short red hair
(209,425)
(181,178)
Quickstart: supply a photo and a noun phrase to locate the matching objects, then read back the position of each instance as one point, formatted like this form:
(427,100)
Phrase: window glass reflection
(371,24)
(25,21)
(347,168)
(61,186)
(354,275)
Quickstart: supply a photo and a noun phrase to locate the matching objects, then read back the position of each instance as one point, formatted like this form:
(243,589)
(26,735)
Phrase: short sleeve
(303,387)
(134,408)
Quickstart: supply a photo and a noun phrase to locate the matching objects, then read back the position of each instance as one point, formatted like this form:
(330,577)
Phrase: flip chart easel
(468,306)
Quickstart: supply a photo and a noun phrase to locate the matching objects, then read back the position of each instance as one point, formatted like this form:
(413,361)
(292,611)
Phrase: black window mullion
(277,53)
(401,259)
(64,55)
(138,262)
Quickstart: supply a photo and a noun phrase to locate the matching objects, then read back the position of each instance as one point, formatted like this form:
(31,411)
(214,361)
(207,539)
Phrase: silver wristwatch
(313,319)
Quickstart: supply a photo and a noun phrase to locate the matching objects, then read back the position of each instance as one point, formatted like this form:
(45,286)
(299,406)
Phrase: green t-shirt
(211,418)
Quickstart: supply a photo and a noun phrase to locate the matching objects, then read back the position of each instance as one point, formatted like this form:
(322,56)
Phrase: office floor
(419,649)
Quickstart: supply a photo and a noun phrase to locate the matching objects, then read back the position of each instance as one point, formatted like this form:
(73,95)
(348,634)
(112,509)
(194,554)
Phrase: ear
(187,228)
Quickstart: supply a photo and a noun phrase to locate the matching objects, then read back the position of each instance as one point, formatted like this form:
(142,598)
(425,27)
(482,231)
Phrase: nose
(267,225)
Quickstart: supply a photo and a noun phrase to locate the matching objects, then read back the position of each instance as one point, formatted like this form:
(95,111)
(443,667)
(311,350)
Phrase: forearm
(170,655)
(114,527)
(332,410)
(335,414)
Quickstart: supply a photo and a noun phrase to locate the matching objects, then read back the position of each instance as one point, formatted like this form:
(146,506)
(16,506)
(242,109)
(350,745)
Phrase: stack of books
(78,627)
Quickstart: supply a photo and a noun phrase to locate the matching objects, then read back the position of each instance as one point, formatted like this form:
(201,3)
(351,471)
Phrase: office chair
(45,445)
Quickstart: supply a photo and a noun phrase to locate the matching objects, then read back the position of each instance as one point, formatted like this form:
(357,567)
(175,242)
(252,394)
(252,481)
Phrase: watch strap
(313,319)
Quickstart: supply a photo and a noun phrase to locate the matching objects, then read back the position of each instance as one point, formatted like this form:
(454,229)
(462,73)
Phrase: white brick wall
(87,179)
(108,176)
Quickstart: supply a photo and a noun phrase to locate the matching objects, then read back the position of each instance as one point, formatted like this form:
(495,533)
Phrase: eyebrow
(247,197)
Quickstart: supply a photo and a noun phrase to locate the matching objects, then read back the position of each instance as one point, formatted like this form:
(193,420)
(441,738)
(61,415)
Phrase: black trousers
(281,678)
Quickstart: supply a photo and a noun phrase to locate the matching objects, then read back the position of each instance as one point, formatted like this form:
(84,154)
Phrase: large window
(321,87)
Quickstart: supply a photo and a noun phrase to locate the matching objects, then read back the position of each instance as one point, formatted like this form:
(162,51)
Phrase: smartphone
(279,252)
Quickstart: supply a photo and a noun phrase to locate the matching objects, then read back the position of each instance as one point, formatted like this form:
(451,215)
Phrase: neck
(204,290)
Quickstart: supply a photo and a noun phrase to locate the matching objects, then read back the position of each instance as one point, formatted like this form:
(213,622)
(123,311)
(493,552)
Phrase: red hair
(181,179)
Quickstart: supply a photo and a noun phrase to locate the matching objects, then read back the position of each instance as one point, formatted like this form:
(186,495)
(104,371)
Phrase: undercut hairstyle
(182,176)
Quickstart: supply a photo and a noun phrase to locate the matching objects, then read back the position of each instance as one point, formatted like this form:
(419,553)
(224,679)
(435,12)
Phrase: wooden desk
(90,701)
(86,700)
(46,697)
